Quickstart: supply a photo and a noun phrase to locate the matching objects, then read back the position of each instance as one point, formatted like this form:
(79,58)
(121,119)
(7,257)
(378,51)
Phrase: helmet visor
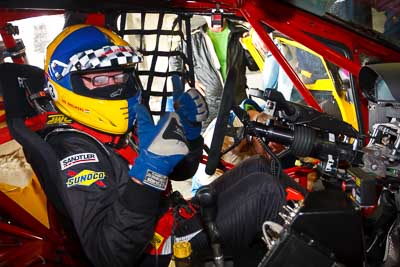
(108,84)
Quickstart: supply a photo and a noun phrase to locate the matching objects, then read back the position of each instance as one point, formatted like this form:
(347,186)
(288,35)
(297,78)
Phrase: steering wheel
(221,122)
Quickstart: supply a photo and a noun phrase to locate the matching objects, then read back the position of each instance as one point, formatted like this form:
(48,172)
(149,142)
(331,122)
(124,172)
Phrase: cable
(276,166)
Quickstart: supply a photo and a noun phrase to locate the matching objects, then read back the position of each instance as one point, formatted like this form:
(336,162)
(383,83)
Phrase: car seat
(38,153)
(20,84)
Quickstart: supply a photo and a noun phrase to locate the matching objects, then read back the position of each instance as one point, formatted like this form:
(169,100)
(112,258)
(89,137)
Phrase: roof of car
(116,4)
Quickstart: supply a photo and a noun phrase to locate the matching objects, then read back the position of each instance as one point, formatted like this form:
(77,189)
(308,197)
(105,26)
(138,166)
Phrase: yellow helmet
(82,50)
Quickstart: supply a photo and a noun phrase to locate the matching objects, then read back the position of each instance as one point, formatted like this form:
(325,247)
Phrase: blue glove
(191,107)
(161,147)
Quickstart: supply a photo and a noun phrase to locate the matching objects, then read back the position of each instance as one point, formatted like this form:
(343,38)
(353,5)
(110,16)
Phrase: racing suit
(113,217)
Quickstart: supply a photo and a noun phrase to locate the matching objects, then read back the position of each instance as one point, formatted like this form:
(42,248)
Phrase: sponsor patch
(155,180)
(85,178)
(157,240)
(21,82)
(52,91)
(78,159)
(58,119)
(74,106)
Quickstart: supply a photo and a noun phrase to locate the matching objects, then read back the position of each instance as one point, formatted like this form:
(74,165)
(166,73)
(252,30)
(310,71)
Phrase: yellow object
(347,109)
(90,111)
(358,182)
(157,240)
(248,43)
(306,73)
(182,249)
(31,198)
(20,184)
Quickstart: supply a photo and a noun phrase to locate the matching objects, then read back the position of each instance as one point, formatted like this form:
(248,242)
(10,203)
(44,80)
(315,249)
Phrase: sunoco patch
(78,159)
(85,178)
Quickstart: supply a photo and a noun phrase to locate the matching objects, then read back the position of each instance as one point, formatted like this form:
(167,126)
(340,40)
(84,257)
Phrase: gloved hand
(249,104)
(161,147)
(191,107)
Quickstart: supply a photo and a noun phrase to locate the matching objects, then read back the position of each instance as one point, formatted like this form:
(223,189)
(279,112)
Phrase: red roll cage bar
(291,21)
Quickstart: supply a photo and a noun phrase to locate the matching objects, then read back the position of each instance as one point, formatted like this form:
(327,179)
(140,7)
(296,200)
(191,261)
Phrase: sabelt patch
(85,178)
(78,159)
(155,180)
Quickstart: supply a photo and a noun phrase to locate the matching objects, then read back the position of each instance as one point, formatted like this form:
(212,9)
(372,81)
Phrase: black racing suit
(115,217)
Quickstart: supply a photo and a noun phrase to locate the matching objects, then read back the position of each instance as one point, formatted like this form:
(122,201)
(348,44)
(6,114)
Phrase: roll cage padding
(222,121)
(37,152)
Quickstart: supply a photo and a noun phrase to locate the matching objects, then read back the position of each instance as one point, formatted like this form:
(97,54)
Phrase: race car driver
(116,196)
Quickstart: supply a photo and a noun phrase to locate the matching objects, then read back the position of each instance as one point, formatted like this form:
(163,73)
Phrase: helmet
(85,54)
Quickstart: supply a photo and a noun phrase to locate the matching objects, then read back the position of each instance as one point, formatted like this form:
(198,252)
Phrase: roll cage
(342,46)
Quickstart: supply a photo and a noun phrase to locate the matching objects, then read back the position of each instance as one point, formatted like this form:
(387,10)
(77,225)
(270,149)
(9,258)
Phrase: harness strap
(59,122)
(179,211)
(120,145)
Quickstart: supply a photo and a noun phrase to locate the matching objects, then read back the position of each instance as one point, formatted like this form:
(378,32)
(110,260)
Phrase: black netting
(158,37)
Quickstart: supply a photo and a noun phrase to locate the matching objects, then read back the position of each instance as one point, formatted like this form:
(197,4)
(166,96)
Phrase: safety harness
(52,122)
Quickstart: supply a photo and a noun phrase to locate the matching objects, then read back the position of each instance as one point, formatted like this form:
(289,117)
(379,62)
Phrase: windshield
(379,19)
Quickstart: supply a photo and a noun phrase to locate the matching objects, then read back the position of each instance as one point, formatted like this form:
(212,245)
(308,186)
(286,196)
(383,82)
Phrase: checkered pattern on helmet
(107,56)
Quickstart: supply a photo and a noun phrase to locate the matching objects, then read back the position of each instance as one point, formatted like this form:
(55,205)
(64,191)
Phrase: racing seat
(38,153)
(18,84)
